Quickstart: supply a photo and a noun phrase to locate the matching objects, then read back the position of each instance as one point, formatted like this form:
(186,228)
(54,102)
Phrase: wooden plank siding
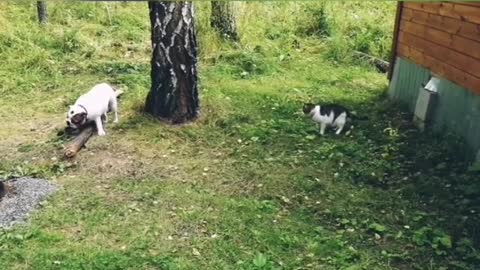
(453,10)
(473,4)
(443,37)
(440,68)
(454,26)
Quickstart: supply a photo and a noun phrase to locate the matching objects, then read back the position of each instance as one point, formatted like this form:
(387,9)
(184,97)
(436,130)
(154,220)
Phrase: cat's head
(308,107)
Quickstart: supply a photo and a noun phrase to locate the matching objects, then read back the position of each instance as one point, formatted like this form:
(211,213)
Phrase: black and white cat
(329,115)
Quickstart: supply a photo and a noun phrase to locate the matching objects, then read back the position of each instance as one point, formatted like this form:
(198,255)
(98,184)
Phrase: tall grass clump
(363,26)
(335,29)
(316,23)
(347,26)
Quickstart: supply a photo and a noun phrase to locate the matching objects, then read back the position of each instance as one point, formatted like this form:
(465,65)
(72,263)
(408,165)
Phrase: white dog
(92,106)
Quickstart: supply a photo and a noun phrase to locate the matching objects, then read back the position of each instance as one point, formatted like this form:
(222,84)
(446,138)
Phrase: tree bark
(42,12)
(173,96)
(223,20)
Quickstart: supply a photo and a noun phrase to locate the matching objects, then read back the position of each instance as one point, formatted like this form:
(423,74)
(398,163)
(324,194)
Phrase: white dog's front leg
(98,123)
(114,107)
(115,120)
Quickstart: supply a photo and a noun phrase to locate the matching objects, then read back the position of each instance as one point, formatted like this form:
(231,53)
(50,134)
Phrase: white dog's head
(76,116)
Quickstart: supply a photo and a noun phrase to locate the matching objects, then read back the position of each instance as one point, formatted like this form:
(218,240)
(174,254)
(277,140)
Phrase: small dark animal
(5,188)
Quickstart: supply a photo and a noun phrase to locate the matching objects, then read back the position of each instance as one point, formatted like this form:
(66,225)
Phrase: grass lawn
(249,185)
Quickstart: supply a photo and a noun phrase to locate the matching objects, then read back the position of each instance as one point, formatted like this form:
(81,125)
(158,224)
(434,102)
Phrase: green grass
(248,185)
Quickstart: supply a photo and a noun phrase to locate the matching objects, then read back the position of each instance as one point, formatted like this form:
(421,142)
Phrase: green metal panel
(406,80)
(456,109)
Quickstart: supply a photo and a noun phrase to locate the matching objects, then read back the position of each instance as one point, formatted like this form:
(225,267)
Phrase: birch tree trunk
(223,20)
(42,12)
(173,96)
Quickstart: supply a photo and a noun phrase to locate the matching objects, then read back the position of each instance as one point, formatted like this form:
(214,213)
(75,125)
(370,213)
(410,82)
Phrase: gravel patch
(27,194)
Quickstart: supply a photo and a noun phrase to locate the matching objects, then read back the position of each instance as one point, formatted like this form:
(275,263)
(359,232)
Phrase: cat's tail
(349,131)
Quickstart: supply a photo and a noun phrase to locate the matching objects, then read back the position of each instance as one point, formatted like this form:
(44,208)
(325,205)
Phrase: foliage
(250,185)
(318,22)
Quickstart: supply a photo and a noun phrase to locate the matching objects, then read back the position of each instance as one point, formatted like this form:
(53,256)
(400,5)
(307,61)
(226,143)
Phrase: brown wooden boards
(445,38)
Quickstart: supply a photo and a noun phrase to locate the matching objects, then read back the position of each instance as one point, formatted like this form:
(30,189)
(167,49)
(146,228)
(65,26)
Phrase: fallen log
(380,64)
(79,141)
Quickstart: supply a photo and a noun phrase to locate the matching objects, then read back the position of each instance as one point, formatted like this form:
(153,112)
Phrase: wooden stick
(380,64)
(73,147)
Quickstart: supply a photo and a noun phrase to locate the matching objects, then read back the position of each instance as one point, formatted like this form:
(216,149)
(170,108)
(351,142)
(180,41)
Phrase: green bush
(317,23)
